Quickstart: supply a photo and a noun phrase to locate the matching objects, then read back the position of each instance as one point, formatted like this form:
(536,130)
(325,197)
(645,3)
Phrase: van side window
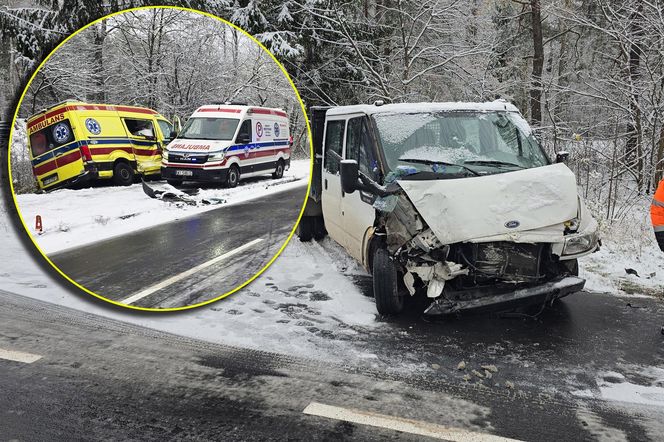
(334,136)
(359,146)
(139,128)
(245,131)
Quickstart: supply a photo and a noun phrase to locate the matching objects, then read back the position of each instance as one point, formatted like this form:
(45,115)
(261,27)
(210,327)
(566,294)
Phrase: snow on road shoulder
(626,244)
(74,218)
(300,306)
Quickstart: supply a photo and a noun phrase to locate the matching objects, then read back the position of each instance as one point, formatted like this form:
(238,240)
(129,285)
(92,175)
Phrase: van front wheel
(233,176)
(279,171)
(123,174)
(386,291)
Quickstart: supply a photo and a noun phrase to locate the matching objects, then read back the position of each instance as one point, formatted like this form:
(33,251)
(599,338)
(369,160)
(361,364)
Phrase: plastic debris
(492,368)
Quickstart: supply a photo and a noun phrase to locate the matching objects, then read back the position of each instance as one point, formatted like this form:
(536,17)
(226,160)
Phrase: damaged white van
(455,199)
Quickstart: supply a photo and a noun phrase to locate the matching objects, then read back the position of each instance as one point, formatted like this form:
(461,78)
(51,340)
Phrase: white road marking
(173,279)
(18,356)
(400,424)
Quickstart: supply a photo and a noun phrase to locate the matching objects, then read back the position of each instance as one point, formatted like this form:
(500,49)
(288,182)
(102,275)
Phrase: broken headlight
(580,243)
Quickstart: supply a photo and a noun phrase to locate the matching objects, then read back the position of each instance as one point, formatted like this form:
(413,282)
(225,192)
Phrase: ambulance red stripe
(61,161)
(141,110)
(255,110)
(218,109)
(107,150)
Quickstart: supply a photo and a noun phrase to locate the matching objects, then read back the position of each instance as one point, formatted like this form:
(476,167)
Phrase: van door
(357,207)
(144,145)
(56,155)
(331,192)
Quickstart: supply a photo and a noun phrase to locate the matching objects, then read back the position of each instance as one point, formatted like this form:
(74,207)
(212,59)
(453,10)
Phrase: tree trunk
(538,64)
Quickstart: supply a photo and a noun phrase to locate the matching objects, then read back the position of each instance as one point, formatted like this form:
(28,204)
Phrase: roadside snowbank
(628,243)
(73,218)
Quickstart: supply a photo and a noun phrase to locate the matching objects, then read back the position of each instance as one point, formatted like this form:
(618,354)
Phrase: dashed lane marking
(400,424)
(173,279)
(19,356)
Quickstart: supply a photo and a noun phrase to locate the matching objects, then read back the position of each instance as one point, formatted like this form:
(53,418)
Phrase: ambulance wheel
(174,183)
(279,171)
(305,228)
(233,176)
(385,285)
(123,174)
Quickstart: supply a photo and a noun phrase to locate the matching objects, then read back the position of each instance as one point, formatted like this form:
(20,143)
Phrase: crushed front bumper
(539,294)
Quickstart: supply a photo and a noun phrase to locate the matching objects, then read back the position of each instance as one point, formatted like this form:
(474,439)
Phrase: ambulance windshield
(198,128)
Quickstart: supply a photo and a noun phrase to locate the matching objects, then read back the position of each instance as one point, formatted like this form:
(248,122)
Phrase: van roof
(240,111)
(73,105)
(399,108)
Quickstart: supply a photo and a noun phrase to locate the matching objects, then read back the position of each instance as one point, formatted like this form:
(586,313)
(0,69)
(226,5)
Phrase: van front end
(198,166)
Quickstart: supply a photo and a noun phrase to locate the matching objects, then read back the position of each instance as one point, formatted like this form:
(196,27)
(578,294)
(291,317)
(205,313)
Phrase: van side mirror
(243,139)
(350,173)
(173,135)
(562,156)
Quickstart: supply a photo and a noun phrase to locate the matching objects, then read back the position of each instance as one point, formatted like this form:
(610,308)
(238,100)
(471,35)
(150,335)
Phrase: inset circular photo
(160,158)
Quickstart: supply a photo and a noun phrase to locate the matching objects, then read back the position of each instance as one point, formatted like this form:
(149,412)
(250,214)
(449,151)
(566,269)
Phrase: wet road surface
(135,268)
(102,379)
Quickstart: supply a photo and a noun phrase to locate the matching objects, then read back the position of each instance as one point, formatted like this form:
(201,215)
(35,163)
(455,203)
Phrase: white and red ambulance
(222,143)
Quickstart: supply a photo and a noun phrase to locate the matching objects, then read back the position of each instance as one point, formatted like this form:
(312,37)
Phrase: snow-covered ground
(628,243)
(72,218)
(298,306)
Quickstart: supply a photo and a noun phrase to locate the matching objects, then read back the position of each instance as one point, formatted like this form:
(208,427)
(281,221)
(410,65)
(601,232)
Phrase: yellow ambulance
(73,142)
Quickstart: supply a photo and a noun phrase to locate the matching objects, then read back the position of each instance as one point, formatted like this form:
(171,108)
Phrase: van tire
(279,171)
(318,227)
(385,285)
(123,174)
(233,177)
(174,183)
(305,228)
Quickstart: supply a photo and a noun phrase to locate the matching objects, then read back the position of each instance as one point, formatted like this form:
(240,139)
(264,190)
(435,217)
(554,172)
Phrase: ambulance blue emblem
(61,133)
(93,126)
(276,130)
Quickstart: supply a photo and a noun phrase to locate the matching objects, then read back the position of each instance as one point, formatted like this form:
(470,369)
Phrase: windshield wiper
(493,163)
(432,162)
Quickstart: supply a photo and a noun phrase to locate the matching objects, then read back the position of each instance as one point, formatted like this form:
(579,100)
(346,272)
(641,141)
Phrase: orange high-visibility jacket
(657,208)
(657,214)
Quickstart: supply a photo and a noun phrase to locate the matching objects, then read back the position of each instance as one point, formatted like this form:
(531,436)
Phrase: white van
(224,143)
(455,199)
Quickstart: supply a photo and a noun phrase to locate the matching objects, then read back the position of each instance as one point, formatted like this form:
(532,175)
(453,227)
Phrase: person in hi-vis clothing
(657,214)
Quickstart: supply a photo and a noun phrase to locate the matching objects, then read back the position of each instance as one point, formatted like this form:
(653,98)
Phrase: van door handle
(325,183)
(343,194)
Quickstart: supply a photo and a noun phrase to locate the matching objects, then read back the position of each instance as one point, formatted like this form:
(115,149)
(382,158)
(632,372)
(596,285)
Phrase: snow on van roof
(370,109)
(241,109)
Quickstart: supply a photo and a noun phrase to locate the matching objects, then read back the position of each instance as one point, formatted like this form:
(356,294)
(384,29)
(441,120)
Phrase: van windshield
(459,142)
(204,128)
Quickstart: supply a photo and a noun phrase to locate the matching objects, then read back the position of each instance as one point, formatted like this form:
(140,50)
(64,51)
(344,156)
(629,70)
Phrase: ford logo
(512,224)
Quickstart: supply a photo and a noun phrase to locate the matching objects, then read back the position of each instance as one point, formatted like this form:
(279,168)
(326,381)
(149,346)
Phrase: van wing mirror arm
(368,185)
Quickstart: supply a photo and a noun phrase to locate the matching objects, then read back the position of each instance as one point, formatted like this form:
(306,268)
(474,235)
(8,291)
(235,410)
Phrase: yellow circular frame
(266,266)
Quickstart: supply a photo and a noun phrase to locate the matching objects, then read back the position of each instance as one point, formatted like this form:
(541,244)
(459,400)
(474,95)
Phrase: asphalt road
(102,379)
(139,263)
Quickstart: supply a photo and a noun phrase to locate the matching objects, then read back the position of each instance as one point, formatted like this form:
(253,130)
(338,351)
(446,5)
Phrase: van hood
(197,146)
(467,209)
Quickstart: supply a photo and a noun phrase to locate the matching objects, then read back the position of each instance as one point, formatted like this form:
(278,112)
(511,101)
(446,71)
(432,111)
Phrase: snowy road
(123,381)
(187,261)
(591,368)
